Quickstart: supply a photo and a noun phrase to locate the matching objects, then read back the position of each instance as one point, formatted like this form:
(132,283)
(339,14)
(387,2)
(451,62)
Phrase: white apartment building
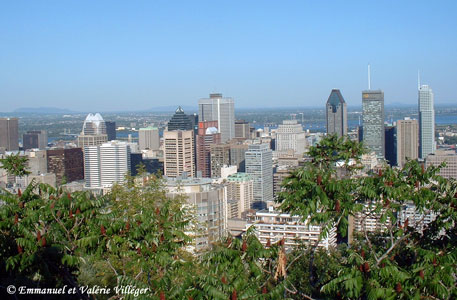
(274,226)
(290,135)
(179,153)
(240,188)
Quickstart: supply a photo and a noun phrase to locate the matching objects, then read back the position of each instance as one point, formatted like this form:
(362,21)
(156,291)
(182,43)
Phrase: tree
(15,165)
(400,261)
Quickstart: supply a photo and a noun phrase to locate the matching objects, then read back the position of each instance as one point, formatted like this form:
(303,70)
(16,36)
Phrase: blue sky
(134,55)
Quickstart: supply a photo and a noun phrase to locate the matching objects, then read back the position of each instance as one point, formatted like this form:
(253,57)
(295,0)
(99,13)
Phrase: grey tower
(259,165)
(337,115)
(426,122)
(9,136)
(217,108)
(373,121)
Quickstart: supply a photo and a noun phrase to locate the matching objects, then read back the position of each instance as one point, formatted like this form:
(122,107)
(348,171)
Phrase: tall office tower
(106,164)
(407,141)
(391,145)
(207,135)
(337,115)
(94,131)
(148,138)
(427,143)
(67,164)
(237,156)
(179,152)
(180,121)
(220,156)
(217,108)
(242,130)
(290,135)
(373,121)
(240,187)
(9,136)
(259,165)
(35,140)
(110,130)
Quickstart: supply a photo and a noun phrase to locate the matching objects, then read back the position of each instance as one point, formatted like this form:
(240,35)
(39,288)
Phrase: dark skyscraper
(337,116)
(35,140)
(66,163)
(180,121)
(391,145)
(373,121)
(110,130)
(9,136)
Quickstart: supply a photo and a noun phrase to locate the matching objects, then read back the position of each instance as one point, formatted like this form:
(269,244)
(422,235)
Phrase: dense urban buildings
(35,139)
(9,135)
(148,138)
(179,152)
(373,121)
(336,114)
(207,135)
(106,164)
(93,132)
(427,143)
(259,165)
(290,135)
(220,109)
(407,141)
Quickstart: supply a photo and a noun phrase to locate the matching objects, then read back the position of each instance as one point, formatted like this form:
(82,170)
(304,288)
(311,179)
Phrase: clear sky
(133,55)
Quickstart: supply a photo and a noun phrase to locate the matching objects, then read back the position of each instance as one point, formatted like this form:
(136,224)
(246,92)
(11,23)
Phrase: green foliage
(15,165)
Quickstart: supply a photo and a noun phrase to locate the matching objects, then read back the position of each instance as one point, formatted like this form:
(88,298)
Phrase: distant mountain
(43,110)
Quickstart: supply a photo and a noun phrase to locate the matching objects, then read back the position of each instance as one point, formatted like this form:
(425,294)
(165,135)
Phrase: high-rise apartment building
(36,139)
(336,113)
(427,143)
(94,131)
(207,135)
(67,164)
(106,164)
(222,110)
(110,130)
(220,156)
(148,138)
(259,165)
(290,135)
(9,135)
(407,141)
(179,152)
(240,188)
(373,121)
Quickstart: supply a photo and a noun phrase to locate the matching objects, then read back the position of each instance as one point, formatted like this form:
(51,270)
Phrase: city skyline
(109,56)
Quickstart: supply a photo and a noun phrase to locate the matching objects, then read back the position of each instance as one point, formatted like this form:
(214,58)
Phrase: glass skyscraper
(426,122)
(373,121)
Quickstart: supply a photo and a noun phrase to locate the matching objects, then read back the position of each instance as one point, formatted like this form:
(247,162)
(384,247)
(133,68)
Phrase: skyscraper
(110,130)
(180,121)
(148,138)
(179,152)
(217,108)
(290,135)
(106,164)
(259,165)
(242,130)
(336,112)
(9,136)
(373,121)
(391,144)
(427,143)
(207,136)
(67,164)
(220,156)
(94,131)
(407,140)
(36,139)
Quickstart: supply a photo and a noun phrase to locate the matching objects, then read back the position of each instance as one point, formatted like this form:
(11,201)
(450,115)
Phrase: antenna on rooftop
(418,80)
(369,78)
